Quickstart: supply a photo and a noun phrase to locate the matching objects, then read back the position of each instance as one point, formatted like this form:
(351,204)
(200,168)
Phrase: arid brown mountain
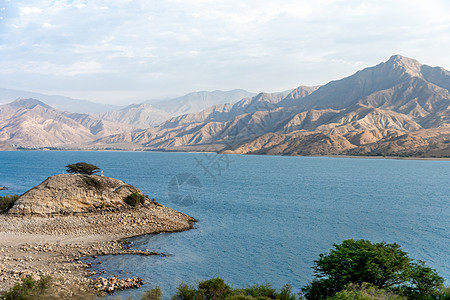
(198,101)
(31,123)
(385,142)
(138,115)
(398,107)
(153,113)
(6,146)
(400,94)
(219,123)
(401,84)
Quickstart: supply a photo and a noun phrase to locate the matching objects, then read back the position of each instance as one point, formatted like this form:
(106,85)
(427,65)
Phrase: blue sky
(127,51)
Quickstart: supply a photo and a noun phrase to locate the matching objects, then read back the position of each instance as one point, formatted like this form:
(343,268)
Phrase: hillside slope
(400,94)
(31,123)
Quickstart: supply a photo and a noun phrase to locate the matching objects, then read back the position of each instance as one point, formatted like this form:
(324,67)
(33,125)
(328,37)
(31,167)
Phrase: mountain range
(58,102)
(198,101)
(30,123)
(154,113)
(398,107)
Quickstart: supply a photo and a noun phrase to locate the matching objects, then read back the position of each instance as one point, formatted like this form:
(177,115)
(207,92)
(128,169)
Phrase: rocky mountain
(138,115)
(4,146)
(385,142)
(154,112)
(58,102)
(400,94)
(209,125)
(31,123)
(198,101)
(398,107)
(401,84)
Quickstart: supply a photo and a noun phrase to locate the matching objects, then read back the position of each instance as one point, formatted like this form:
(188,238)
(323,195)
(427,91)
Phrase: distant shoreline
(199,151)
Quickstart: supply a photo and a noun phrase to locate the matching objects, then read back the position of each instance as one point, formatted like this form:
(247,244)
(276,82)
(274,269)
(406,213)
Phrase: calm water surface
(263,218)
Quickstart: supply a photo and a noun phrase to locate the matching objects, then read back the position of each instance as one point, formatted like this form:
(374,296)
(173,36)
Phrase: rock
(35,277)
(73,193)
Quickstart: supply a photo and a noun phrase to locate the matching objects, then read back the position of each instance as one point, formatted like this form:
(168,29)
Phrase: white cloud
(27,10)
(179,45)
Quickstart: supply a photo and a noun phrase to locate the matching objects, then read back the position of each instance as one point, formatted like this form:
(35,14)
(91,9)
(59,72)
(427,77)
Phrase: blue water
(264,218)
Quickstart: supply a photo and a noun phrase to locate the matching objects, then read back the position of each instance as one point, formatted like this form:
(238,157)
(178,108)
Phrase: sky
(127,51)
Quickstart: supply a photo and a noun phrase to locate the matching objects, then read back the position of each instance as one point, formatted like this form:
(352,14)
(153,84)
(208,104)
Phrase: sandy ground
(52,245)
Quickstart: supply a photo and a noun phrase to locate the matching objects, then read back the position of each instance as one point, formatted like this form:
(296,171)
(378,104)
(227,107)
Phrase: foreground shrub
(214,288)
(217,289)
(29,289)
(6,202)
(153,294)
(365,291)
(384,266)
(185,292)
(264,291)
(423,283)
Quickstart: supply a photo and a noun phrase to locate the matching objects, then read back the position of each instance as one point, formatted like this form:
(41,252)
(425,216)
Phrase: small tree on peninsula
(82,168)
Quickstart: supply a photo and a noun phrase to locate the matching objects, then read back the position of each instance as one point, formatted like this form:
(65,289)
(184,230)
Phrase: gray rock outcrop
(73,193)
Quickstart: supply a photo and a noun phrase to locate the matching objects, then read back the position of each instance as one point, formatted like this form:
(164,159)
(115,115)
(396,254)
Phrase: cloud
(155,48)
(27,10)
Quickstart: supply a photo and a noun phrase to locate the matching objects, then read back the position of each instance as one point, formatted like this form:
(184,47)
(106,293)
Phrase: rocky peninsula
(66,217)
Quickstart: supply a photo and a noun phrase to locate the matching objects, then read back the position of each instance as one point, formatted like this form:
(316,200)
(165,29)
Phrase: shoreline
(53,245)
(258,154)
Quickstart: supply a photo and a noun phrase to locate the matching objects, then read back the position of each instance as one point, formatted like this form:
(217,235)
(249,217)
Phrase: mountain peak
(411,66)
(28,103)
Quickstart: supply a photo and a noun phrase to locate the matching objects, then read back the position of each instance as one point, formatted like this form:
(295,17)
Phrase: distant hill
(32,123)
(376,142)
(138,115)
(219,123)
(400,95)
(198,101)
(153,112)
(59,102)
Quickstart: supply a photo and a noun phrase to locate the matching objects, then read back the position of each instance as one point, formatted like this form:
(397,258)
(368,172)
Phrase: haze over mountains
(58,102)
(198,101)
(399,107)
(153,113)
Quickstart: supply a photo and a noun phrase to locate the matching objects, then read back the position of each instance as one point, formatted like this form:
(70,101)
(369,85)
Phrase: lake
(262,218)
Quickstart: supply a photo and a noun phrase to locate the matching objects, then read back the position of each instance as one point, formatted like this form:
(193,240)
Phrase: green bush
(185,292)
(135,199)
(264,291)
(153,294)
(364,291)
(423,283)
(382,265)
(217,289)
(214,288)
(6,202)
(93,182)
(29,289)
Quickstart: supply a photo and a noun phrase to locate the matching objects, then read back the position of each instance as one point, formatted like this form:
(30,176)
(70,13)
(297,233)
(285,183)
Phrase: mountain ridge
(401,96)
(391,95)
(32,123)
